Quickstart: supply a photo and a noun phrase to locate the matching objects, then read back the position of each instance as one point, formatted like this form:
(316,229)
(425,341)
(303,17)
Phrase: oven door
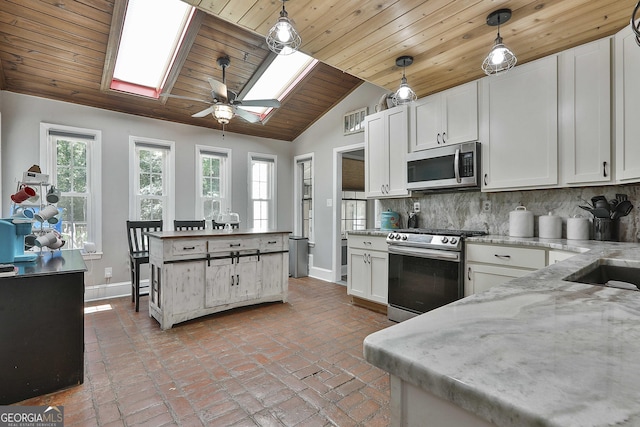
(423,279)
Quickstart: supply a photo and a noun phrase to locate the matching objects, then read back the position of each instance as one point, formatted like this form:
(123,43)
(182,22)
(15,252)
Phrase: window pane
(150,209)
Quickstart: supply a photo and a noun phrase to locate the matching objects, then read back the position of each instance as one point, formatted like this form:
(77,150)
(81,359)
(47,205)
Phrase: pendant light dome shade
(404,94)
(283,39)
(500,58)
(223,113)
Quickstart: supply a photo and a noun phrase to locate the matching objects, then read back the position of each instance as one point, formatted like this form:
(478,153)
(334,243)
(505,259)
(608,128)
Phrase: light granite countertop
(535,351)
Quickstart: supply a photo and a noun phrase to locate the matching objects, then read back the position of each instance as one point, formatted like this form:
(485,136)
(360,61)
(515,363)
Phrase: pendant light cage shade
(283,39)
(404,94)
(223,113)
(635,24)
(500,59)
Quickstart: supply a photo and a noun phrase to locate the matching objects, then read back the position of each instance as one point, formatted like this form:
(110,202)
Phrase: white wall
(321,139)
(21,117)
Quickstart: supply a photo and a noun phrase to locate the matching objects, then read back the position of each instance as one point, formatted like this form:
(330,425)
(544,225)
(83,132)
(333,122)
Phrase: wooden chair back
(188,224)
(138,241)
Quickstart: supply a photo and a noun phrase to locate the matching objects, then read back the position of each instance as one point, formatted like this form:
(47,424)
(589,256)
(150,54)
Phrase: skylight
(278,79)
(151,35)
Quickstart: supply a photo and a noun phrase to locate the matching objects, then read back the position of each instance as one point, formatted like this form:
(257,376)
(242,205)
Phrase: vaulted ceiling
(59,49)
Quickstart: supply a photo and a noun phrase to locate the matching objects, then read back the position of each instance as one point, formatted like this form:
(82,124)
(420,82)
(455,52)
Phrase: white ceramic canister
(549,226)
(578,228)
(521,222)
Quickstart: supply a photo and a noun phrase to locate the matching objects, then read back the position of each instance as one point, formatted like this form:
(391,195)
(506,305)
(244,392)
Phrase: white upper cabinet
(627,106)
(448,117)
(386,139)
(519,133)
(585,114)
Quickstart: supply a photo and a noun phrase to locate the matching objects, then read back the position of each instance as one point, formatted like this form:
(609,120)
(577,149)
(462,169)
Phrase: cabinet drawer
(188,247)
(233,244)
(506,255)
(376,243)
(274,242)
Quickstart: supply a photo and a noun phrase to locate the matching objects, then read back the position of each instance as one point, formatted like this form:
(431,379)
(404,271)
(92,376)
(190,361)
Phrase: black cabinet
(42,327)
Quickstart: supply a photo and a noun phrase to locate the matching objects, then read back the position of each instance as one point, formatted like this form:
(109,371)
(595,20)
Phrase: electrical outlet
(486,206)
(416,206)
(108,272)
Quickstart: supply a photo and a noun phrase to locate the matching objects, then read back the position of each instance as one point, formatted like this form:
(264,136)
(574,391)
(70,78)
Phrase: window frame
(48,159)
(134,210)
(225,184)
(298,220)
(272,207)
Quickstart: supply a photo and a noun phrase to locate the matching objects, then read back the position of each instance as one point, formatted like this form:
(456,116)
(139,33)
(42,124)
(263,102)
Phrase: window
(151,178)
(152,32)
(213,181)
(277,79)
(304,195)
(354,211)
(262,190)
(72,158)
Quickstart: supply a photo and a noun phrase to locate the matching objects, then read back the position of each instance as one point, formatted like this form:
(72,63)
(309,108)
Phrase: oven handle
(425,253)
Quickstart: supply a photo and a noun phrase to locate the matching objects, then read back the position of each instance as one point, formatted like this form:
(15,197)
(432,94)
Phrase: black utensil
(624,208)
(586,208)
(621,197)
(601,213)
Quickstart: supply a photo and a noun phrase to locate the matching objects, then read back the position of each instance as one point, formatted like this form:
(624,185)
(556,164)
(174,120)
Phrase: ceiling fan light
(282,38)
(223,113)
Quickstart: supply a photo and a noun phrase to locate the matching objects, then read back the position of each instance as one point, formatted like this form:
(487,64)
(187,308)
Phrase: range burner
(431,238)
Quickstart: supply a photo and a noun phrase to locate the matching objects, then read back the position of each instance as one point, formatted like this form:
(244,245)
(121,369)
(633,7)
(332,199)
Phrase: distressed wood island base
(200,272)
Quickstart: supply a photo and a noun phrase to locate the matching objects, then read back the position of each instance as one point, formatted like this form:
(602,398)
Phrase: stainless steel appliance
(425,270)
(455,166)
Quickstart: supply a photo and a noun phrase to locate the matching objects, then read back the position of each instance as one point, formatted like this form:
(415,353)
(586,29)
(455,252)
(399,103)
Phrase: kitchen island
(199,272)
(42,326)
(535,351)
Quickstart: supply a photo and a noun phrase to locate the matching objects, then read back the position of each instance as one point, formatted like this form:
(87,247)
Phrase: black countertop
(56,262)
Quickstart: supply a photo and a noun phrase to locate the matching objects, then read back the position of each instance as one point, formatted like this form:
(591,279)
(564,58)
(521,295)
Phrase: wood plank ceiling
(59,49)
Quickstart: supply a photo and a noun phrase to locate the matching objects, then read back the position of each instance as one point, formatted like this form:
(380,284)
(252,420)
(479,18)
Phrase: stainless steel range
(425,270)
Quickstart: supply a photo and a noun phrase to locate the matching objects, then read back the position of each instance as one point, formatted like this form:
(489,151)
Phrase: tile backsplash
(463,210)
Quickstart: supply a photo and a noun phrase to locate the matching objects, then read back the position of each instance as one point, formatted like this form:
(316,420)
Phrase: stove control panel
(423,240)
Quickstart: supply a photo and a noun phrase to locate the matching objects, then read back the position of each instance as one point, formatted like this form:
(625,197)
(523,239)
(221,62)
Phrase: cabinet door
(359,273)
(397,131)
(627,70)
(376,165)
(480,277)
(271,267)
(520,149)
(379,273)
(585,122)
(245,284)
(460,114)
(218,282)
(425,123)
(188,286)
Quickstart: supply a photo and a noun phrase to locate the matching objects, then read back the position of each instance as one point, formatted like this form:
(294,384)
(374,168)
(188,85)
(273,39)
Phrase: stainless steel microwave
(455,166)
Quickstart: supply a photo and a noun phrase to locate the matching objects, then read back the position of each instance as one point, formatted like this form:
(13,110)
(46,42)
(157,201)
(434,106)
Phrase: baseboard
(110,290)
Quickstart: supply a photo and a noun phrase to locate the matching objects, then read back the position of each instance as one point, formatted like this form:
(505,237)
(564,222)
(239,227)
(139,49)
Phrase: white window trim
(205,149)
(273,218)
(297,193)
(170,145)
(95,175)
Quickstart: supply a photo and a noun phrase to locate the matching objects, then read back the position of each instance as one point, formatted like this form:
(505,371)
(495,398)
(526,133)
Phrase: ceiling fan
(225,103)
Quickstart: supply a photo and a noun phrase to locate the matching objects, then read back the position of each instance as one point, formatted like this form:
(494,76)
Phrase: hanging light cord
(636,27)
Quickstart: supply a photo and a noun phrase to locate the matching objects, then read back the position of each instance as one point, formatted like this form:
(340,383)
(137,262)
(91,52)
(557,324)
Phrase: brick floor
(293,364)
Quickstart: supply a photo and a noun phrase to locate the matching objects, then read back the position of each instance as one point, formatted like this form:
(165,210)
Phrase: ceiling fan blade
(188,98)
(204,112)
(274,103)
(250,117)
(218,90)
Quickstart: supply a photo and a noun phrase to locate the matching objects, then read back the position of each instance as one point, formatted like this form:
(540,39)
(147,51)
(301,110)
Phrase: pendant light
(282,38)
(223,113)
(500,58)
(635,26)
(404,94)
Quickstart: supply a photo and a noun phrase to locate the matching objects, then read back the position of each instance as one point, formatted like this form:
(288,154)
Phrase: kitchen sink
(608,270)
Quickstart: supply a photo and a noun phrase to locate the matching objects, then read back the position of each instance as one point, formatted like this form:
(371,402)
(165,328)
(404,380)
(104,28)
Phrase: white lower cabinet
(203,273)
(367,268)
(489,265)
